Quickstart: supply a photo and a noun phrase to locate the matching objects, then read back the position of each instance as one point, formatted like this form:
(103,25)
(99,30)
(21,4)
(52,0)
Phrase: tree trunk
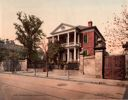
(29,59)
(47,65)
(35,68)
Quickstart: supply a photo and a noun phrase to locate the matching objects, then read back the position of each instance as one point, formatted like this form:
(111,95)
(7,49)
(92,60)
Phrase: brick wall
(89,66)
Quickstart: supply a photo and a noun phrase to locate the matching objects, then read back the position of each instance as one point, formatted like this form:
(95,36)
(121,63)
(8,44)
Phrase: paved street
(16,87)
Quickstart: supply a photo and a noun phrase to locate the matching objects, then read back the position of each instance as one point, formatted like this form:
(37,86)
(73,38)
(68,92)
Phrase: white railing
(64,44)
(70,44)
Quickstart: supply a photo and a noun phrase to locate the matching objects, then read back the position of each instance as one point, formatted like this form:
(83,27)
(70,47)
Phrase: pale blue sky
(53,12)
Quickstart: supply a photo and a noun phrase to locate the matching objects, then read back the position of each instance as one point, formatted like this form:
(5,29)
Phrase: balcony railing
(71,44)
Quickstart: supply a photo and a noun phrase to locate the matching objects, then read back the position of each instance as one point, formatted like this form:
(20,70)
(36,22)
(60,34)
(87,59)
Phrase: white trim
(59,26)
(71,45)
(66,32)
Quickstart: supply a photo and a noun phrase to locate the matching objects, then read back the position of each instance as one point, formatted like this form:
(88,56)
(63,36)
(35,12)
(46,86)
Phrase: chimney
(90,23)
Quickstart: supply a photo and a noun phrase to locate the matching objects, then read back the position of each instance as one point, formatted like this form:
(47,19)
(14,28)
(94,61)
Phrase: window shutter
(85,38)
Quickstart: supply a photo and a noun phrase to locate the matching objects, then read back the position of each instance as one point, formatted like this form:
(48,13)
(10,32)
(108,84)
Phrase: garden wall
(89,66)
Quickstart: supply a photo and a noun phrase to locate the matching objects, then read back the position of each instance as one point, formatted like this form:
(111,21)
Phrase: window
(85,53)
(85,38)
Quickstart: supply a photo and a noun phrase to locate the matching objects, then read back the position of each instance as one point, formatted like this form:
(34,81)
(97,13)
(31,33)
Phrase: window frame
(85,35)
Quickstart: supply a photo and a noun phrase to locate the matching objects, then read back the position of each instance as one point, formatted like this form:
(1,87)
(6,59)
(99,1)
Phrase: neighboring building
(9,52)
(76,39)
(10,46)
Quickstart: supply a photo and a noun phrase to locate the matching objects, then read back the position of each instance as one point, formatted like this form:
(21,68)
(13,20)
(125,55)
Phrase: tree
(54,49)
(44,48)
(4,53)
(116,32)
(51,51)
(45,56)
(29,34)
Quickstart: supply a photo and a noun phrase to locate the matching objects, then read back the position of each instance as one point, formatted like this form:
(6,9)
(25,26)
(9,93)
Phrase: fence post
(81,68)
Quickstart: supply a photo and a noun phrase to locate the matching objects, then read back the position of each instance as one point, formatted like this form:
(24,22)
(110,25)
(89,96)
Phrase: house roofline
(93,27)
(75,27)
(53,32)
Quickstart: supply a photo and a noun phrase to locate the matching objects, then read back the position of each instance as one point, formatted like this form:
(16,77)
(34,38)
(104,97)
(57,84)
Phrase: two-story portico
(69,38)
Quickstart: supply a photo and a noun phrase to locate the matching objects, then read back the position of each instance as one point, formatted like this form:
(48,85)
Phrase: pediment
(62,27)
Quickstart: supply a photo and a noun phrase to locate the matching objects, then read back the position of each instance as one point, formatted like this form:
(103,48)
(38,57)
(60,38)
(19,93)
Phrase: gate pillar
(99,63)
(81,68)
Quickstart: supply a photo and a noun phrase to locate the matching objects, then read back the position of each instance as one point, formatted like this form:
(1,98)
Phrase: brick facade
(89,46)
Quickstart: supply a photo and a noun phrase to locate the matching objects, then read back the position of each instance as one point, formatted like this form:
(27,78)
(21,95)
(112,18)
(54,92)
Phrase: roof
(79,27)
(62,24)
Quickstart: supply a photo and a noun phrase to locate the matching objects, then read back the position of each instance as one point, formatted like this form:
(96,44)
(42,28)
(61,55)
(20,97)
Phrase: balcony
(71,44)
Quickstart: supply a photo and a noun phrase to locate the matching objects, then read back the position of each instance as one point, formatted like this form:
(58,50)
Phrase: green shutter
(85,53)
(85,38)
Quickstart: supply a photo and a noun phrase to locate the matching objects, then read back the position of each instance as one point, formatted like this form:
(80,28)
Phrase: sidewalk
(79,78)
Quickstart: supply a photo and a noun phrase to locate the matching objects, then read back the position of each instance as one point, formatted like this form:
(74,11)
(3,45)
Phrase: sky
(54,12)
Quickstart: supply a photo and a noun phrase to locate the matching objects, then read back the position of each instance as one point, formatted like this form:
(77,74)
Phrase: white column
(78,54)
(74,37)
(74,54)
(67,54)
(68,39)
(58,37)
(53,39)
(78,38)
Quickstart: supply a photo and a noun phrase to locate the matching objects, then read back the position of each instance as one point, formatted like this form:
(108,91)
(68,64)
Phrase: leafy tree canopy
(116,32)
(29,33)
